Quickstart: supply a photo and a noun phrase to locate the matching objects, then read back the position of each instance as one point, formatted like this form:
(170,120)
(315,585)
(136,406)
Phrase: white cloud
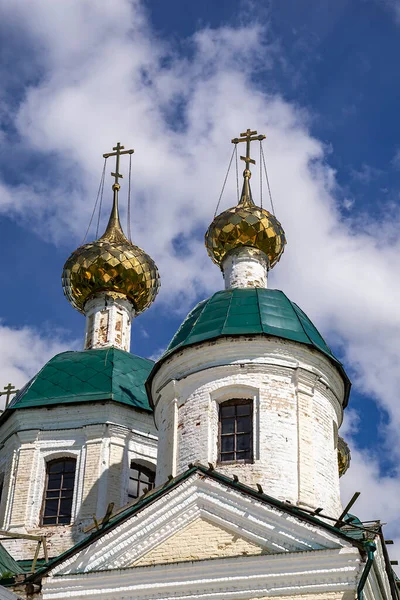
(104,76)
(24,351)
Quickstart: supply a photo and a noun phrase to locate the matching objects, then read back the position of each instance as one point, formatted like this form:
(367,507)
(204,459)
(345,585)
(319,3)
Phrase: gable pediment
(201,539)
(199,519)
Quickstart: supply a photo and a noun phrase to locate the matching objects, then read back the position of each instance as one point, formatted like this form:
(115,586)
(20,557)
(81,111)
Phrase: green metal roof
(249,311)
(88,376)
(8,566)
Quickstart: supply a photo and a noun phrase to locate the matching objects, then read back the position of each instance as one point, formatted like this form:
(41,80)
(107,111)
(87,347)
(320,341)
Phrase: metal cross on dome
(10,390)
(119,150)
(248,136)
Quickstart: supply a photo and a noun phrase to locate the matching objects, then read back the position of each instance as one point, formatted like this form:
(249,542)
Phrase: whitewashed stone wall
(103,438)
(297,398)
(108,322)
(245,267)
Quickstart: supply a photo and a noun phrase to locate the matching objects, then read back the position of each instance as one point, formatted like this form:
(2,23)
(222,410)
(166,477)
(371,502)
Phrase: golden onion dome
(344,456)
(245,225)
(111,264)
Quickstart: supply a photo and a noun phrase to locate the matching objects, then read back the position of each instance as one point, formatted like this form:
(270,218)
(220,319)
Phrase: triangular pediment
(199,518)
(200,540)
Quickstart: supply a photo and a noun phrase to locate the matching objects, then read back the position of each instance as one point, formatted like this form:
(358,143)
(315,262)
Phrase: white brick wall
(103,438)
(297,395)
(245,267)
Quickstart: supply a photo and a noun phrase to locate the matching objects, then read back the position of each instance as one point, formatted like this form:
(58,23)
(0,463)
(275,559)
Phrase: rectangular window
(57,507)
(236,431)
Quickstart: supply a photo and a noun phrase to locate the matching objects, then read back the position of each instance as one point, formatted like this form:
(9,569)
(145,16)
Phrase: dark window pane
(225,457)
(68,482)
(243,442)
(52,493)
(64,520)
(228,411)
(243,424)
(58,496)
(227,443)
(228,426)
(54,481)
(140,479)
(65,507)
(56,467)
(70,466)
(51,508)
(236,430)
(243,409)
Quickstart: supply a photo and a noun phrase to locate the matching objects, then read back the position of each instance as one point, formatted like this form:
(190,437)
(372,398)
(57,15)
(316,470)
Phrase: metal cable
(237,174)
(129,199)
(99,191)
(101,198)
(261,187)
(226,177)
(266,176)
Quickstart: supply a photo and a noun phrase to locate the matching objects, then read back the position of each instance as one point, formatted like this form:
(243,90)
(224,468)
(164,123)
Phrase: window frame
(49,463)
(238,401)
(140,468)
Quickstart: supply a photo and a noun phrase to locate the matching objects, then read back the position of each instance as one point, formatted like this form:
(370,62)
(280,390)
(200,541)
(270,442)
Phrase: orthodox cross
(248,136)
(119,150)
(9,391)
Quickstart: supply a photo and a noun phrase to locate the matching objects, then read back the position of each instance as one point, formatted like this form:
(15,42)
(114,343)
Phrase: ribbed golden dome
(111,264)
(344,456)
(245,225)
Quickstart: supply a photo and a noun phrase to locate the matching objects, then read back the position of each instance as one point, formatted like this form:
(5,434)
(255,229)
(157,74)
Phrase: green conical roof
(88,376)
(249,311)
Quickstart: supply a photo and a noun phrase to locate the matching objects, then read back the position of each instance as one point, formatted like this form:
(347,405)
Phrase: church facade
(212,473)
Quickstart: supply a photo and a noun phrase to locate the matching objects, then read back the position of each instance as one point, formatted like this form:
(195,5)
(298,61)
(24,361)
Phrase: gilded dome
(111,264)
(245,225)
(344,456)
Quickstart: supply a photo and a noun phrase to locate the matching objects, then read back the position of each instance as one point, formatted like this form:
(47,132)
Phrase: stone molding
(258,522)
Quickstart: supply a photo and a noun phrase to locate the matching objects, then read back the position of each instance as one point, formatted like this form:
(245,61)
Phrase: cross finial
(248,136)
(119,150)
(10,390)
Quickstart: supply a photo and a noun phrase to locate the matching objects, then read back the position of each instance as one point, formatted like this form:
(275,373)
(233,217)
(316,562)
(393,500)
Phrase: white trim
(220,579)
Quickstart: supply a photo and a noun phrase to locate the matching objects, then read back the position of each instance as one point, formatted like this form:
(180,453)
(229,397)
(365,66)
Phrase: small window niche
(235,431)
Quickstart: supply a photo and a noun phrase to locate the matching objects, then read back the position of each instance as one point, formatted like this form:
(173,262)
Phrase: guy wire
(101,198)
(129,199)
(101,186)
(226,177)
(266,176)
(261,187)
(237,173)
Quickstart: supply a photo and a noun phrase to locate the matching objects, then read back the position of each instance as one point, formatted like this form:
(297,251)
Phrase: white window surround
(39,482)
(221,395)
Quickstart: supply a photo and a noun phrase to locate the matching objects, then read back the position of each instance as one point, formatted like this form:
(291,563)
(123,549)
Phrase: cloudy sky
(176,81)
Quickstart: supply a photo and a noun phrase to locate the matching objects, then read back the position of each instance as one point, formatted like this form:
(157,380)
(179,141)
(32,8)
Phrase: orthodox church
(212,473)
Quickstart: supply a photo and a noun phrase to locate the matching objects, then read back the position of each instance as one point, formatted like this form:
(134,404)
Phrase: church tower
(248,384)
(80,436)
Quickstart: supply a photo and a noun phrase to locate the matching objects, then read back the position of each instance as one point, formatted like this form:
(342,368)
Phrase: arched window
(236,430)
(140,478)
(57,503)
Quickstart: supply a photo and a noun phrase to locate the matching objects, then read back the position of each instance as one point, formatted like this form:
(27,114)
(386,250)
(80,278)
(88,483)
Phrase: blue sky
(177,81)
